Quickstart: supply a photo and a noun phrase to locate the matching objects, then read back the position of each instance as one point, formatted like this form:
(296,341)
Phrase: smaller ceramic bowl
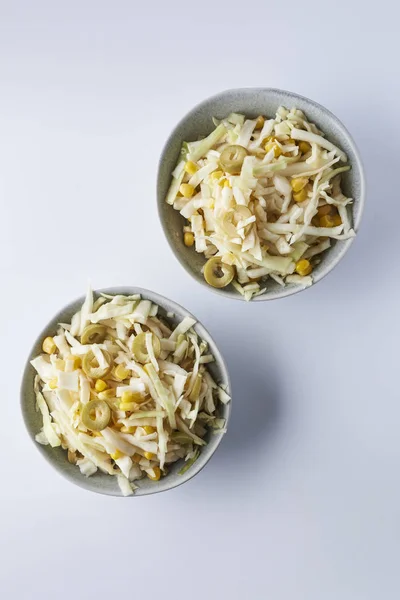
(253,102)
(101,482)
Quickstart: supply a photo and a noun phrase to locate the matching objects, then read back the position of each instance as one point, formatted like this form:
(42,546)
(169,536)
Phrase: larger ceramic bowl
(100,482)
(253,102)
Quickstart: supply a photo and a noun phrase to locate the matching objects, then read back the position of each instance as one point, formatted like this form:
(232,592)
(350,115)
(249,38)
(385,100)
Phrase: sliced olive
(232,158)
(217,273)
(91,367)
(93,334)
(181,438)
(139,347)
(96,415)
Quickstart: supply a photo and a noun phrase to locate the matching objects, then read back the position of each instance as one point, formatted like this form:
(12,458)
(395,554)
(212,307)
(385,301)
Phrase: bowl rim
(345,244)
(162,485)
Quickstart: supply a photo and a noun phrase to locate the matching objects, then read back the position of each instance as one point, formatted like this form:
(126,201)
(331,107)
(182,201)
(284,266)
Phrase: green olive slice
(139,347)
(217,273)
(91,367)
(93,334)
(96,415)
(232,158)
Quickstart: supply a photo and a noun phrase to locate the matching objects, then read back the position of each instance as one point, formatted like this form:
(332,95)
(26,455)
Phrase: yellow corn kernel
(125,429)
(116,455)
(336,220)
(127,396)
(121,372)
(107,394)
(186,190)
(277,150)
(136,458)
(191,167)
(303,267)
(259,123)
(216,174)
(127,406)
(298,183)
(149,429)
(326,221)
(188,239)
(224,182)
(300,196)
(49,345)
(148,455)
(100,385)
(304,147)
(77,361)
(157,474)
(53,383)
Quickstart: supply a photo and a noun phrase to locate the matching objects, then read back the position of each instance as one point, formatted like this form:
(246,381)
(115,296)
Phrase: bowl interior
(100,482)
(253,102)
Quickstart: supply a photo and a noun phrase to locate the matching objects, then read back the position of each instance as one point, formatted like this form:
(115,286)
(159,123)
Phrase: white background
(302,500)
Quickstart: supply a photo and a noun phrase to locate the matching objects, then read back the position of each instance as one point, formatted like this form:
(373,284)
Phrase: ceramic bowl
(253,102)
(100,482)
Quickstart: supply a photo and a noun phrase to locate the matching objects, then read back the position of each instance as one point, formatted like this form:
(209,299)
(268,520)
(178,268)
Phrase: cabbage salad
(262,199)
(124,392)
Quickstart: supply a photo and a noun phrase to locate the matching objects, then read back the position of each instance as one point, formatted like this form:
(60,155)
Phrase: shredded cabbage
(86,466)
(197,150)
(49,430)
(127,487)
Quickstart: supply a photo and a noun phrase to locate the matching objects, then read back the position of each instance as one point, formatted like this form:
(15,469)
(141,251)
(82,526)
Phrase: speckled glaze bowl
(253,102)
(100,482)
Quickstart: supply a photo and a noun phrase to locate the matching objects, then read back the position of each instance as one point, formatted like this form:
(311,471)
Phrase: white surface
(302,501)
